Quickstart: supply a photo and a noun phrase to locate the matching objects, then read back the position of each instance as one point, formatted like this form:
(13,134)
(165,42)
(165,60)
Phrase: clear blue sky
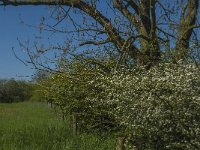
(11,28)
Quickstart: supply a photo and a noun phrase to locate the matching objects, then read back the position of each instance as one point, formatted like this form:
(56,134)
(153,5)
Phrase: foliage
(158,108)
(38,91)
(14,91)
(40,76)
(71,92)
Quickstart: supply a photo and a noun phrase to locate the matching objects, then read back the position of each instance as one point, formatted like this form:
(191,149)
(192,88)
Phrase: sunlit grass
(33,126)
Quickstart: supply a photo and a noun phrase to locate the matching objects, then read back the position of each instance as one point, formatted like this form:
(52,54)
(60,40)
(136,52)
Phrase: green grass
(33,126)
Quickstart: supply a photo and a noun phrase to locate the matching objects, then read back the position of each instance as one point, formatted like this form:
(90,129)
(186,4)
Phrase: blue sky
(11,28)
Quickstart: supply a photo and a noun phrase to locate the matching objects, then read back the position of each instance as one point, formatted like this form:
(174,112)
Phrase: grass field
(33,126)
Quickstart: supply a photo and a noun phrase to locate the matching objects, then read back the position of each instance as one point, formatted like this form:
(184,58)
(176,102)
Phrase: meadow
(34,126)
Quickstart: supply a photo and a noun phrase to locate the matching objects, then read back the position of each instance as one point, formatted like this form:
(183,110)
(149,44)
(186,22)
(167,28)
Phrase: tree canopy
(143,31)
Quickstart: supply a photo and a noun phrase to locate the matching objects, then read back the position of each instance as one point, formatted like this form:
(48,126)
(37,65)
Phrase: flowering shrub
(158,108)
(154,109)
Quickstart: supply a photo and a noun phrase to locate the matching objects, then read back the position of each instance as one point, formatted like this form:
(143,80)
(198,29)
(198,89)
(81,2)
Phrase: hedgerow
(153,109)
(158,108)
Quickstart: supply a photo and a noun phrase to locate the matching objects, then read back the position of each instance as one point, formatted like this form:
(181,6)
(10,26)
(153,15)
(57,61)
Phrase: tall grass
(33,126)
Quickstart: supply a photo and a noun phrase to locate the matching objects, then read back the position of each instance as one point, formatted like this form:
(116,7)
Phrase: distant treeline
(12,90)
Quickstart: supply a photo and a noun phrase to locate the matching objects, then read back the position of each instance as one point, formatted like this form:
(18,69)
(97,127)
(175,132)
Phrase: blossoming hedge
(158,108)
(153,109)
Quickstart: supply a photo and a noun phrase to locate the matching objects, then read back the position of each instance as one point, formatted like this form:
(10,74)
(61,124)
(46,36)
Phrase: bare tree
(142,30)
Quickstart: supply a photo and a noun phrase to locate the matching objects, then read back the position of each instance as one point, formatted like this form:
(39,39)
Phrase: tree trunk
(185,29)
(150,55)
(120,143)
(149,45)
(74,124)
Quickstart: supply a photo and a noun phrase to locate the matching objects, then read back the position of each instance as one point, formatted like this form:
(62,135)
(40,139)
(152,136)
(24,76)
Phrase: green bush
(71,93)
(14,91)
(73,96)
